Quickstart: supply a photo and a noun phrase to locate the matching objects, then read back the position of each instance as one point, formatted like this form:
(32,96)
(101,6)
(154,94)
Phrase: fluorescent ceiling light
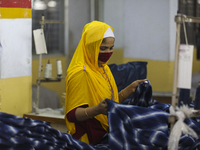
(39,5)
(52,3)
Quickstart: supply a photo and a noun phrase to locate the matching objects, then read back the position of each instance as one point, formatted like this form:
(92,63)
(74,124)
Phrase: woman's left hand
(135,84)
(130,89)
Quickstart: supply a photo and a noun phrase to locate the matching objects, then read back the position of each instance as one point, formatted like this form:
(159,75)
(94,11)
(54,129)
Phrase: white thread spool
(48,70)
(59,67)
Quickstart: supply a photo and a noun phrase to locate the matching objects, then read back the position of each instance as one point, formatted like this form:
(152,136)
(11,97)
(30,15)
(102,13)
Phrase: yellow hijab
(85,85)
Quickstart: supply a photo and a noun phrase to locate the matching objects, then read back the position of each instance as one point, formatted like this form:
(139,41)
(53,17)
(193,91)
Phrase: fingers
(105,107)
(140,81)
(104,102)
(136,83)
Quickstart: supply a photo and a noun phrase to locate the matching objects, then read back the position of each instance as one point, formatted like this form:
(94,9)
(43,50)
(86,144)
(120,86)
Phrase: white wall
(114,16)
(79,15)
(173,7)
(15,52)
(145,29)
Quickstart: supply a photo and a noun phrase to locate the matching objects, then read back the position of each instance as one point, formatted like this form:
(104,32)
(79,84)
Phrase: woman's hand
(89,112)
(135,84)
(102,107)
(130,89)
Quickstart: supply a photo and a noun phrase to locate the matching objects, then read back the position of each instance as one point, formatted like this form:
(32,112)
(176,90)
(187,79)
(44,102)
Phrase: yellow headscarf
(85,85)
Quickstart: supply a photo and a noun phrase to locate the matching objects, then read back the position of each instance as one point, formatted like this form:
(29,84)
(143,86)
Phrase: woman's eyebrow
(106,46)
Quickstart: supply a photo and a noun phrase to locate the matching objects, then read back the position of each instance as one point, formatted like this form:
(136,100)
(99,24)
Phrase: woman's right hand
(102,107)
(89,112)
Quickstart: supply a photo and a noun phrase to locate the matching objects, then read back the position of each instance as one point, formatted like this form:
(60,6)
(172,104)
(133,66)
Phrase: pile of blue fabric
(18,133)
(140,125)
(143,124)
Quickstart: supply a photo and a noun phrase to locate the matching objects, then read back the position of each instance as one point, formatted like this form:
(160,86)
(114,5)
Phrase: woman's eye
(105,48)
(102,48)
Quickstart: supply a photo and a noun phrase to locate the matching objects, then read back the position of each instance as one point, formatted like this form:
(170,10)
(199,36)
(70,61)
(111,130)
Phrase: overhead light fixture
(39,5)
(52,3)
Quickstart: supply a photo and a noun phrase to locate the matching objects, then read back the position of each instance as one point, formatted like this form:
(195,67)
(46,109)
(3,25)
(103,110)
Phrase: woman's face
(106,47)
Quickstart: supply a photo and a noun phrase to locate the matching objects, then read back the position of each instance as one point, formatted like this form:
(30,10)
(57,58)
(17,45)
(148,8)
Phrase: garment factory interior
(160,62)
(144,31)
(159,75)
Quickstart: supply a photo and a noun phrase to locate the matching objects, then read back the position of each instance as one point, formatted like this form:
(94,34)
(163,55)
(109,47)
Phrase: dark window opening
(54,33)
(189,8)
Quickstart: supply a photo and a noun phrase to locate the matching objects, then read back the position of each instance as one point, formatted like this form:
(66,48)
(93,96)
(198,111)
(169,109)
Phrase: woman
(89,82)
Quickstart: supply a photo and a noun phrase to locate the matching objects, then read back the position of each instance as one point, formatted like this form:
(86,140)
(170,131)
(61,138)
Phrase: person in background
(89,82)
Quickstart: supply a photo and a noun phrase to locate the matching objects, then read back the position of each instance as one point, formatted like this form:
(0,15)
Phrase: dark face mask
(104,57)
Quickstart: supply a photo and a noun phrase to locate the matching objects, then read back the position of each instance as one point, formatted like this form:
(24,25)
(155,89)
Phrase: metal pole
(38,84)
(174,93)
(39,73)
(172,119)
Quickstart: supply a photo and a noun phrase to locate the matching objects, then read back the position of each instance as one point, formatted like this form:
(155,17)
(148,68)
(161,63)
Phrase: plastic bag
(180,127)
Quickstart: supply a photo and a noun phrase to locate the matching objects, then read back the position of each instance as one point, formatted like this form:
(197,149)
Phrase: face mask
(104,57)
